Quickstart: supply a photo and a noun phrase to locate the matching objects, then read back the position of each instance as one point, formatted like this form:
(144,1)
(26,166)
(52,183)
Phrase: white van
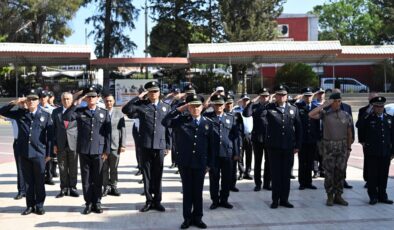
(347,85)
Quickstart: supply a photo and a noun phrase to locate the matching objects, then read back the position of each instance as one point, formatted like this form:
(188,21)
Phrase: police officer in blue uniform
(284,135)
(226,150)
(154,141)
(256,109)
(376,134)
(311,132)
(35,142)
(93,146)
(229,108)
(194,147)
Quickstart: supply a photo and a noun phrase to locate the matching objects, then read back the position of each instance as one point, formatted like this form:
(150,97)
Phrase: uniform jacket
(310,127)
(226,135)
(64,136)
(194,142)
(257,111)
(118,130)
(35,135)
(153,135)
(94,130)
(377,135)
(284,130)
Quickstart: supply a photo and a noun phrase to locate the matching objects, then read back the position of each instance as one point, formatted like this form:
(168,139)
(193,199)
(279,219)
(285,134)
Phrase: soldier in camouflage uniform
(337,140)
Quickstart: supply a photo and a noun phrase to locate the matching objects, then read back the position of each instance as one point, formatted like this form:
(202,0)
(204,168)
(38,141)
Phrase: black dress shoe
(311,187)
(292,177)
(40,211)
(315,175)
(97,208)
(74,192)
(267,187)
(226,204)
(386,201)
(49,182)
(146,207)
(177,172)
(106,190)
(214,205)
(274,204)
(257,188)
(302,187)
(286,204)
(138,173)
(234,189)
(186,224)
(159,207)
(199,224)
(61,194)
(142,194)
(87,210)
(322,175)
(173,165)
(240,176)
(373,201)
(346,185)
(141,181)
(19,196)
(115,192)
(366,185)
(28,210)
(247,177)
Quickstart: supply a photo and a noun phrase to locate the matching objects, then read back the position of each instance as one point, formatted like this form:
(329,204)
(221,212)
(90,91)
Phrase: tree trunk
(107,39)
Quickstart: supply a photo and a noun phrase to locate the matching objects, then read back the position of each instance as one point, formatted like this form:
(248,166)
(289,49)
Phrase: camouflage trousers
(335,157)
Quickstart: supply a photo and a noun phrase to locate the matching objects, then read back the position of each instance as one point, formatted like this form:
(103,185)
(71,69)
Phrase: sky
(137,35)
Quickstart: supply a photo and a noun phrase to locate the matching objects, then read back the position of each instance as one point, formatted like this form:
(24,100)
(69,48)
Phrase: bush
(297,76)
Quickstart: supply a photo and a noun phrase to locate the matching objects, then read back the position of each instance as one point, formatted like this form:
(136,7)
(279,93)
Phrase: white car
(389,109)
(347,85)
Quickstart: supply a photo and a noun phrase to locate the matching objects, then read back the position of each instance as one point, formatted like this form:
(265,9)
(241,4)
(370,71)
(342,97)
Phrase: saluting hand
(254,100)
(182,108)
(142,95)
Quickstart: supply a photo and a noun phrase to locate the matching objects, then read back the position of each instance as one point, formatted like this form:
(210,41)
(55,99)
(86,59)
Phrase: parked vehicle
(389,109)
(346,84)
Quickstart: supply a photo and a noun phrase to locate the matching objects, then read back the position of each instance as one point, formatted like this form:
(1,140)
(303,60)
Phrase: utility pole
(146,36)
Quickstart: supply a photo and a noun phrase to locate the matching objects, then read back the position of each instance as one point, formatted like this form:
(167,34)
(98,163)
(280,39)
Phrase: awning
(31,54)
(173,62)
(263,52)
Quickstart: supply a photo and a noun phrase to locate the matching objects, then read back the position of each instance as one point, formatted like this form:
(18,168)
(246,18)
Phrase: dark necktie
(196,122)
(32,116)
(92,112)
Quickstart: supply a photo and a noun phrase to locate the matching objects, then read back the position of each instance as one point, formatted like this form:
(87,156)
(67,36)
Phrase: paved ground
(251,209)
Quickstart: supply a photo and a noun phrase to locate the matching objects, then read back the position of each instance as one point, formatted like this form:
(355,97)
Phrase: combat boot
(330,199)
(339,200)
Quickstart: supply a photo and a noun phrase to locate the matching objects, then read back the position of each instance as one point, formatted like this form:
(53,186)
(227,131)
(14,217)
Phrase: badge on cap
(164,109)
(42,119)
(101,115)
(291,111)
(153,83)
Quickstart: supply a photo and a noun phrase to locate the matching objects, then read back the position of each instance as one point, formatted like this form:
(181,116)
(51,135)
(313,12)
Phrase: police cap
(264,92)
(152,86)
(217,99)
(229,99)
(335,96)
(194,99)
(280,89)
(307,91)
(32,93)
(189,89)
(43,93)
(378,101)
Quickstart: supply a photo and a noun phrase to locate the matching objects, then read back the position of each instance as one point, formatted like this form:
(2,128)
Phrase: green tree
(386,14)
(37,21)
(112,19)
(178,24)
(297,75)
(352,22)
(252,20)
